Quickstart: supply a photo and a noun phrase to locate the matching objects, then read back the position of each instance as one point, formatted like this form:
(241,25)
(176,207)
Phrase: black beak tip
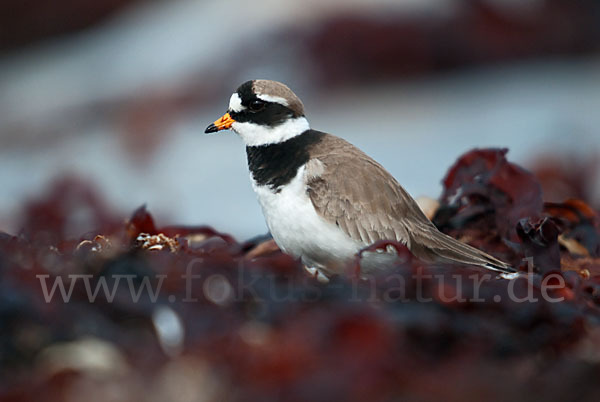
(211,129)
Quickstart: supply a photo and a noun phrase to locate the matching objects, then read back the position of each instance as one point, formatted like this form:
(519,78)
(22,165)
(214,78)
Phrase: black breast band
(275,165)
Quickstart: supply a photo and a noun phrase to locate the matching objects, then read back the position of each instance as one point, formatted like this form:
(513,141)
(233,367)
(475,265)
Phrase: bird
(324,200)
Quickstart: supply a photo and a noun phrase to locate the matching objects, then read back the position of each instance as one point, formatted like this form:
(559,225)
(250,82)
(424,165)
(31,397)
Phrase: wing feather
(359,195)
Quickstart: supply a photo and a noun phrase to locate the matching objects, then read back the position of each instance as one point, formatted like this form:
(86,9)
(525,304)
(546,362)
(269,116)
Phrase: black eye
(256,105)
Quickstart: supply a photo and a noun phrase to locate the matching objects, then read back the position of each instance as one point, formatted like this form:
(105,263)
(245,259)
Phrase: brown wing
(360,196)
(354,192)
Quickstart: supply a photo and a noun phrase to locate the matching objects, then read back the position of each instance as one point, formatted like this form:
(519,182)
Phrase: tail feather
(434,245)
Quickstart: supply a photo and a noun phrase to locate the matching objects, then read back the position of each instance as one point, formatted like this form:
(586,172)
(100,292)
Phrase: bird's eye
(256,105)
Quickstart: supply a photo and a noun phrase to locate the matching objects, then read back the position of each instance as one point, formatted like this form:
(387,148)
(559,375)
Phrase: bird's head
(263,112)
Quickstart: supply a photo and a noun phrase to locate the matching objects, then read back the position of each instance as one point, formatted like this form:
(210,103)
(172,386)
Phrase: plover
(323,198)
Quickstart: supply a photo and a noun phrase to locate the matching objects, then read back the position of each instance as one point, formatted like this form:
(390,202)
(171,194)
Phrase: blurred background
(103,106)
(117,93)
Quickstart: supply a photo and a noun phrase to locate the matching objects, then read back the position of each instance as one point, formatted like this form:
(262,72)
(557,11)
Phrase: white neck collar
(256,135)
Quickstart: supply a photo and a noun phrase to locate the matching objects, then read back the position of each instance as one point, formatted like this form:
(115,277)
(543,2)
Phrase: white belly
(299,231)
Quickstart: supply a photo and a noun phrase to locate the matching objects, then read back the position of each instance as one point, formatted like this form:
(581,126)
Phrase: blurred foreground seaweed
(190,314)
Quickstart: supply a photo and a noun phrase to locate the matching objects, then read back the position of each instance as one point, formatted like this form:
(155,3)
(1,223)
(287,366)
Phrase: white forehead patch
(235,103)
(274,99)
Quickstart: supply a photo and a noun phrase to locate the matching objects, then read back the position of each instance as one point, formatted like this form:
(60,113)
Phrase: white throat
(256,135)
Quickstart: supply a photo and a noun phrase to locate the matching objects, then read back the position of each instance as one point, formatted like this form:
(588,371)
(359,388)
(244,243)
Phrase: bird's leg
(316,273)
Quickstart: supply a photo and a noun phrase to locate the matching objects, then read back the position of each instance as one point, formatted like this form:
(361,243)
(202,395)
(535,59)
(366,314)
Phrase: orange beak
(223,123)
